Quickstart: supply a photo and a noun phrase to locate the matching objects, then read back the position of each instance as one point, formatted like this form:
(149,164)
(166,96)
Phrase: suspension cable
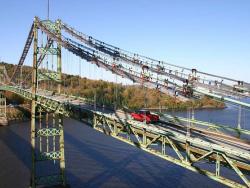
(24,53)
(120,52)
(79,89)
(86,54)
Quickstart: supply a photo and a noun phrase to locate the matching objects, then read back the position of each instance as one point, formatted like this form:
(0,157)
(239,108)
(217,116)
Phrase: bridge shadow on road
(108,168)
(106,162)
(15,158)
(92,160)
(102,161)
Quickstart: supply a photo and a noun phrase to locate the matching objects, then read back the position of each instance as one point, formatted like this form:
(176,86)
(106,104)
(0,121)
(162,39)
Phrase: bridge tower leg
(47,137)
(33,106)
(59,57)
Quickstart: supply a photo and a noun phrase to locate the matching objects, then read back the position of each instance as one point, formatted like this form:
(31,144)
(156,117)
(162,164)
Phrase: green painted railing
(207,124)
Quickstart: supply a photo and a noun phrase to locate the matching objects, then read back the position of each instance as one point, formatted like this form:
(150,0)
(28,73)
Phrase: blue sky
(210,35)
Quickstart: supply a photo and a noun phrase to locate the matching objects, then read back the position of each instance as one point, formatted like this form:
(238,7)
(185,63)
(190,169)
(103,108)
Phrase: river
(96,160)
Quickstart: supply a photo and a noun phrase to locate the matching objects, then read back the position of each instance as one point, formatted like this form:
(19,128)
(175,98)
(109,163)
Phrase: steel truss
(188,151)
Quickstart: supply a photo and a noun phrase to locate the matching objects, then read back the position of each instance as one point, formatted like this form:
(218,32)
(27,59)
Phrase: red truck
(144,115)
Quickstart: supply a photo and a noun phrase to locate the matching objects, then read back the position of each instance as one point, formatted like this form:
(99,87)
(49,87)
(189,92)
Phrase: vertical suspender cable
(37,65)
(79,81)
(116,92)
(47,68)
(52,70)
(42,70)
(67,68)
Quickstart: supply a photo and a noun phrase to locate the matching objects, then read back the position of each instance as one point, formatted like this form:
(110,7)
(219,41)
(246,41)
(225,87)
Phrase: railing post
(144,137)
(217,164)
(115,129)
(95,100)
(94,121)
(163,149)
(239,118)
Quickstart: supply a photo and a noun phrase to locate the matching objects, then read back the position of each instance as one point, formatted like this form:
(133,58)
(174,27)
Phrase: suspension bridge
(178,140)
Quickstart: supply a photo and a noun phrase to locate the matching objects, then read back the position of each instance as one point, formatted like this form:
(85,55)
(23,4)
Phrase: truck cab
(144,115)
